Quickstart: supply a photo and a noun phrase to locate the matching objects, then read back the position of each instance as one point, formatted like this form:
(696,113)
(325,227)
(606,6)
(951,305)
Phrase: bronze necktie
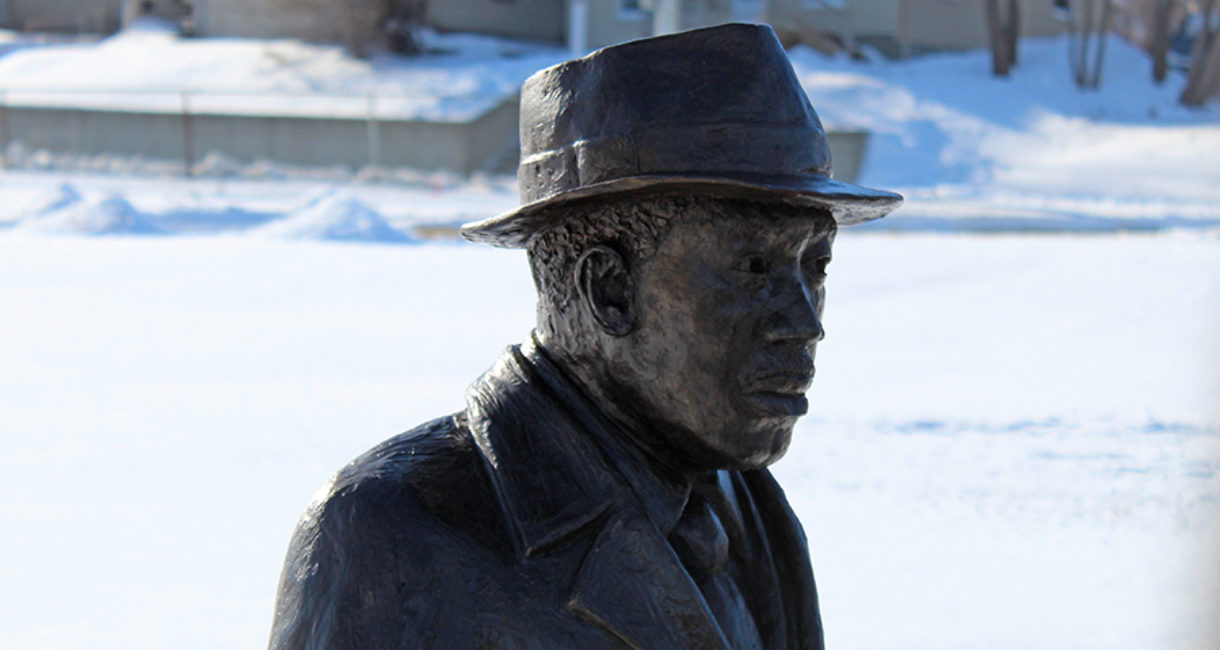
(702,545)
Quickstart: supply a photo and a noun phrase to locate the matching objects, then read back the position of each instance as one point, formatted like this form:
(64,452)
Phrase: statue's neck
(644,439)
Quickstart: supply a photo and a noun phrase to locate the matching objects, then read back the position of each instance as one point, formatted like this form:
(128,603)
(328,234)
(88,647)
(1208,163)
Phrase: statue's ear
(606,289)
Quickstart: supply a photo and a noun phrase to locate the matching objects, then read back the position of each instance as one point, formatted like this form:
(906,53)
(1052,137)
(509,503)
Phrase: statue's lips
(780,393)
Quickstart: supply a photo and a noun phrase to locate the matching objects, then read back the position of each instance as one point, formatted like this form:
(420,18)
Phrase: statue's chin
(768,448)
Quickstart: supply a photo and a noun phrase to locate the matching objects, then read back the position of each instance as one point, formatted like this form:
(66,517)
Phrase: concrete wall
(89,16)
(542,20)
(847,149)
(492,140)
(488,143)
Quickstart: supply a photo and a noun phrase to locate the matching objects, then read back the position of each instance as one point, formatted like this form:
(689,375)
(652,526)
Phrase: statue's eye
(752,264)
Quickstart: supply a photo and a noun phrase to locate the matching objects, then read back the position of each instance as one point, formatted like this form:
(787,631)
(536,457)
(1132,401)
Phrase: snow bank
(461,77)
(968,150)
(1027,151)
(25,201)
(336,217)
(67,213)
(85,206)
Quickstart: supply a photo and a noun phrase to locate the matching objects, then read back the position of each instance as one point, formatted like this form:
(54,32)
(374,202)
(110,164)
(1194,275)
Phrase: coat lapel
(632,585)
(552,481)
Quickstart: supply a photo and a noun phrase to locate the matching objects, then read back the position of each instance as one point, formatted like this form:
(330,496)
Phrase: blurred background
(229,264)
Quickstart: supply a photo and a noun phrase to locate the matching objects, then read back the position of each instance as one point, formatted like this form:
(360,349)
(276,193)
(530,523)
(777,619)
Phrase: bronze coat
(504,526)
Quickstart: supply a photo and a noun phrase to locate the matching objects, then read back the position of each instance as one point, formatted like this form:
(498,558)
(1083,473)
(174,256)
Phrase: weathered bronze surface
(605,486)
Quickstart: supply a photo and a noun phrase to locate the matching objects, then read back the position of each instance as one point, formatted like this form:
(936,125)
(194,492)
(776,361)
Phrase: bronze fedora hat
(715,110)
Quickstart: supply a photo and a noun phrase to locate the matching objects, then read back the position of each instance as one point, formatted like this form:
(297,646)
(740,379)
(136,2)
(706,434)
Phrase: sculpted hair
(633,227)
(630,227)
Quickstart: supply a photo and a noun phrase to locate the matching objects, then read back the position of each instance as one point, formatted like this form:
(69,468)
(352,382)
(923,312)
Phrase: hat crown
(717,110)
(715,100)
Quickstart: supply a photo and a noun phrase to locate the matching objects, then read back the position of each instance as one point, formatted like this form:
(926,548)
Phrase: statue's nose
(794,313)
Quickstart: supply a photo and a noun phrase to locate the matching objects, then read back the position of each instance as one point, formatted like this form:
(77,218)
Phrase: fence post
(374,129)
(188,140)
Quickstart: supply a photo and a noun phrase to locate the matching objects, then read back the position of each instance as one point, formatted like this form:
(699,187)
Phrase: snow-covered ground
(147,68)
(1014,441)
(266,205)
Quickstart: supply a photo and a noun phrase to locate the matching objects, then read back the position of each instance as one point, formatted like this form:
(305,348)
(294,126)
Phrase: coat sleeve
(357,575)
(395,551)
(336,593)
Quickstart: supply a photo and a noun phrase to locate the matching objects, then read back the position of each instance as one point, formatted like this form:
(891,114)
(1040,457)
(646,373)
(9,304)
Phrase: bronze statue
(605,486)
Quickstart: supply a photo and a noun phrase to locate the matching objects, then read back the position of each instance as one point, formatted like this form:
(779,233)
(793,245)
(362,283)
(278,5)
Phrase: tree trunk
(1014,30)
(1204,79)
(360,21)
(129,11)
(1001,35)
(1087,40)
(1160,39)
(401,23)
(1103,30)
(1080,29)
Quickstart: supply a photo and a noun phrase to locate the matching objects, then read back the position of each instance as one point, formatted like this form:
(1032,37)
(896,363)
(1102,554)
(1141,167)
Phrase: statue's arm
(353,579)
(396,552)
(306,601)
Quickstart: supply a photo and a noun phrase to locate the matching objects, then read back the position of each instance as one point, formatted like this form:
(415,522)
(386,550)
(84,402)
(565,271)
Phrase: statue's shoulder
(384,546)
(430,476)
(430,452)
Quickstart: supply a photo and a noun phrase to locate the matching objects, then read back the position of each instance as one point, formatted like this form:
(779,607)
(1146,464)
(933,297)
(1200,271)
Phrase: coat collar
(550,478)
(553,480)
(662,498)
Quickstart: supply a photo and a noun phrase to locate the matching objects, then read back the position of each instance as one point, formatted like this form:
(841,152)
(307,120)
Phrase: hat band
(764,149)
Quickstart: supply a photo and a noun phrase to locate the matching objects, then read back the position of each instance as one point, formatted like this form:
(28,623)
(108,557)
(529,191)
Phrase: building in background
(174,11)
(484,142)
(584,25)
(901,27)
(538,20)
(325,21)
(87,16)
(895,27)
(72,16)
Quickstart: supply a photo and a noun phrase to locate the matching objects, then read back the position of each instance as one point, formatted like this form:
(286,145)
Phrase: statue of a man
(605,486)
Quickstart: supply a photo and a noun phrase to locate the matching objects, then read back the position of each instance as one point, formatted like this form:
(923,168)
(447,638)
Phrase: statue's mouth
(782,404)
(780,393)
(794,382)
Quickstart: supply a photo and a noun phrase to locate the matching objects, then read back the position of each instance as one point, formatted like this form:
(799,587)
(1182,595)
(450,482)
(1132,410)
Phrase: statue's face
(729,319)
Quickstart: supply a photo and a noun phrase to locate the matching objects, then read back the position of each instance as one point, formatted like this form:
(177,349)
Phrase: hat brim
(849,204)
